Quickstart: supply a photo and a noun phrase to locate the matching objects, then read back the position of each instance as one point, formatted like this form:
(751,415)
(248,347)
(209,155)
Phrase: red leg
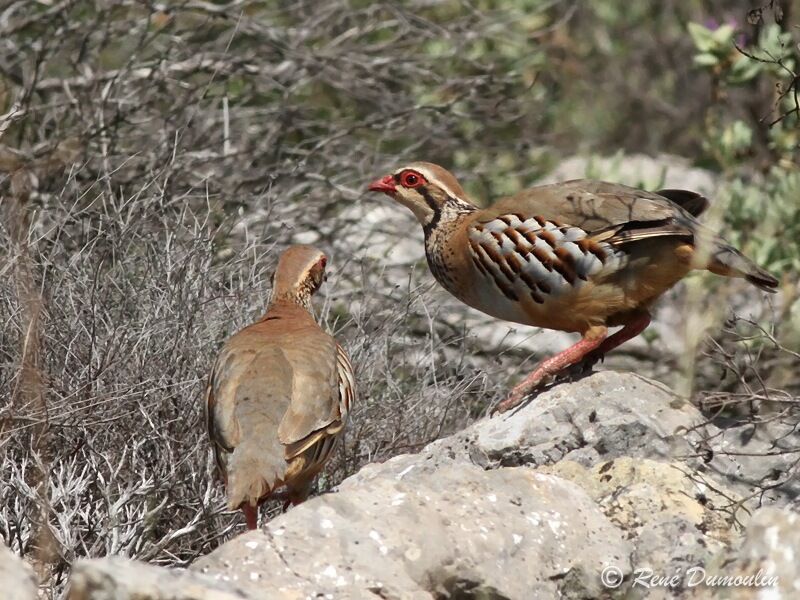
(588,350)
(295,496)
(629,331)
(250,515)
(572,355)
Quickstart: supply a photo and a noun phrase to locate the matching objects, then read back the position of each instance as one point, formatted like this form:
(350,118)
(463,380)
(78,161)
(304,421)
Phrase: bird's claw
(506,405)
(579,369)
(518,395)
(570,373)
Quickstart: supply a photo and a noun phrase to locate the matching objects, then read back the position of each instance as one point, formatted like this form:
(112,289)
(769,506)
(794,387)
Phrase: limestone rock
(116,578)
(608,415)
(17,580)
(603,416)
(765,566)
(413,529)
(674,520)
(749,454)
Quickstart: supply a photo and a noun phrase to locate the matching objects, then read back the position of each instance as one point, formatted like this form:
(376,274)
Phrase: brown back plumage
(619,215)
(279,391)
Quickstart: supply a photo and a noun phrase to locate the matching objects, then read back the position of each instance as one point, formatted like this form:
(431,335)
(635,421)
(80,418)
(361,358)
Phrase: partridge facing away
(279,394)
(579,256)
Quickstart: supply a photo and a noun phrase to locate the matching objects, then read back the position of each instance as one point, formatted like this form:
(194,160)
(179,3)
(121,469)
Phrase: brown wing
(318,445)
(546,241)
(347,382)
(220,404)
(315,403)
(249,390)
(218,443)
(605,211)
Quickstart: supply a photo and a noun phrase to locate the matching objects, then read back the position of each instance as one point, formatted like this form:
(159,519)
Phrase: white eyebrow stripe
(430,177)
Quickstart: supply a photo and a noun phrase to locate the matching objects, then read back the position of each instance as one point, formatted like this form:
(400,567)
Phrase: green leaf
(723,36)
(706,59)
(702,37)
(743,70)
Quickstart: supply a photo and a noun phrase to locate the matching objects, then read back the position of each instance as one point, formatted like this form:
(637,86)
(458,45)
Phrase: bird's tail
(726,260)
(254,471)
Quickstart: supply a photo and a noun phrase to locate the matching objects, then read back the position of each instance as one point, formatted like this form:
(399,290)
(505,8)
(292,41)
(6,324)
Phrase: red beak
(385,185)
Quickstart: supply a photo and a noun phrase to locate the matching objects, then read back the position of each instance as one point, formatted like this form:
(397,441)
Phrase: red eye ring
(410,179)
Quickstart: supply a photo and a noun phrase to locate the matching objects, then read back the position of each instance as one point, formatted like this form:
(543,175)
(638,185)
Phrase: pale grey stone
(409,529)
(17,580)
(117,578)
(766,563)
(604,415)
(638,170)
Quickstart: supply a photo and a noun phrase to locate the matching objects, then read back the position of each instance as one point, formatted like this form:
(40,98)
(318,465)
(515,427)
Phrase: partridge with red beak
(279,393)
(579,256)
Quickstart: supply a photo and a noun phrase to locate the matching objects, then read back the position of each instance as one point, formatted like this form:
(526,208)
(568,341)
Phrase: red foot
(587,351)
(551,366)
(250,515)
(629,331)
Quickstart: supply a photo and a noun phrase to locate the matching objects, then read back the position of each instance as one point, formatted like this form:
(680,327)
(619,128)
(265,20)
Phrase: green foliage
(770,59)
(713,45)
(763,212)
(764,217)
(730,142)
(717,51)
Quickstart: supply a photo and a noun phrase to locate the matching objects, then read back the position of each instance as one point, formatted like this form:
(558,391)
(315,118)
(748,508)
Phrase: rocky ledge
(608,487)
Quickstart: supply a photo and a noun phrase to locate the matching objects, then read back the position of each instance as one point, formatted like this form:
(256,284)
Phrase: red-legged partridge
(279,393)
(578,256)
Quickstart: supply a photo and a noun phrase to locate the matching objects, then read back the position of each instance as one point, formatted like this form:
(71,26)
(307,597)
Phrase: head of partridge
(425,188)
(300,273)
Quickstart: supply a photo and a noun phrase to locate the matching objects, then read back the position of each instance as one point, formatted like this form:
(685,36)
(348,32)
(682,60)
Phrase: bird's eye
(410,179)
